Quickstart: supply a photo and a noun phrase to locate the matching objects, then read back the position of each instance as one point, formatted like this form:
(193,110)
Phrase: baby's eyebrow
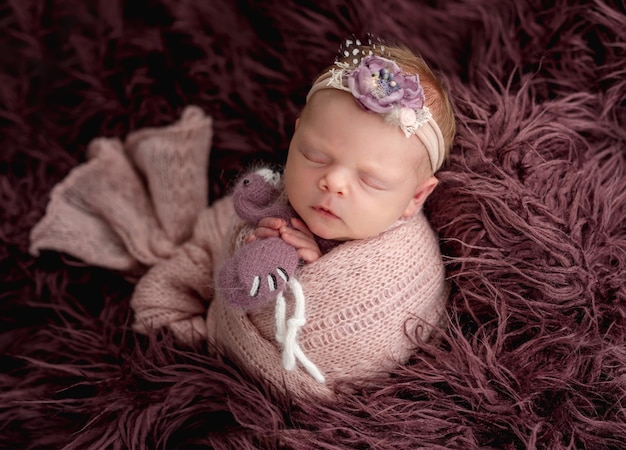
(314,143)
(309,139)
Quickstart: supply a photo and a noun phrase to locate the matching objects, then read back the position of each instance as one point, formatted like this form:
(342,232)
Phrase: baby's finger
(263,232)
(299,224)
(271,222)
(308,255)
(301,243)
(296,238)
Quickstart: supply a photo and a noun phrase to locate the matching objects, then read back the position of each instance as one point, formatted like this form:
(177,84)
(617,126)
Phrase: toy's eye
(246,182)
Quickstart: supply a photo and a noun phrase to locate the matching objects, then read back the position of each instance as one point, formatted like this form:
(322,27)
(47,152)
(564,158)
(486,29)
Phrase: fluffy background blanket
(531,211)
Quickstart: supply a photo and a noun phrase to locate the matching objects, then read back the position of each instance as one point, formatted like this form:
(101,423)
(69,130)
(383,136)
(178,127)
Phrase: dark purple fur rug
(531,211)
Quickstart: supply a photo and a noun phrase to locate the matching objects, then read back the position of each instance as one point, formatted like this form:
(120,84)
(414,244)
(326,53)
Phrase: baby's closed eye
(314,156)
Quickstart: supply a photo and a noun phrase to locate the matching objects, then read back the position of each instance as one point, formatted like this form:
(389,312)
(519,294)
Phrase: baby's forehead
(413,153)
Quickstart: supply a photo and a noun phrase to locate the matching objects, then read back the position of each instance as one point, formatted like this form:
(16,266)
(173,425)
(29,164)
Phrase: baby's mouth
(324,212)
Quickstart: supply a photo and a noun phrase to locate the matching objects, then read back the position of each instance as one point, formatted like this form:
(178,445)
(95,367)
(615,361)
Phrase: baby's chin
(340,234)
(330,236)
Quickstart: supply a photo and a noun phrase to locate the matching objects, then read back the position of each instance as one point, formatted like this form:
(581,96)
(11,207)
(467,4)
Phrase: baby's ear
(421,194)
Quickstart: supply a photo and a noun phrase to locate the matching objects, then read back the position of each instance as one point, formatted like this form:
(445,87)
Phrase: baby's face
(349,174)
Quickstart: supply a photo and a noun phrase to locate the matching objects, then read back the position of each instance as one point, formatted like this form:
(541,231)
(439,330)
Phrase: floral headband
(378,85)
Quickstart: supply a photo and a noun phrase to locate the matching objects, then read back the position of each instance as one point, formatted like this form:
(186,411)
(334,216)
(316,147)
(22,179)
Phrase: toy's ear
(421,194)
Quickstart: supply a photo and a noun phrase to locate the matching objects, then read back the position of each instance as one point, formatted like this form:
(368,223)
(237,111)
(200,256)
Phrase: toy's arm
(257,272)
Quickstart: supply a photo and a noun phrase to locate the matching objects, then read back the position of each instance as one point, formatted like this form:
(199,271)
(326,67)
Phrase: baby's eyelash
(374,184)
(313,158)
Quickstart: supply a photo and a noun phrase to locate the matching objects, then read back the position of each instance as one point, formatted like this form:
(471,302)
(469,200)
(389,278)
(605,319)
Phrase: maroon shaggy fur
(531,210)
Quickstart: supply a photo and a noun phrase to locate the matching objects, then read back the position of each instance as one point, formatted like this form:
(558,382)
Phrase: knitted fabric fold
(131,204)
(141,207)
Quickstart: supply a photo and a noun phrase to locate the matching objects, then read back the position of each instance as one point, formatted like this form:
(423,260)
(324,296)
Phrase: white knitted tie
(287,331)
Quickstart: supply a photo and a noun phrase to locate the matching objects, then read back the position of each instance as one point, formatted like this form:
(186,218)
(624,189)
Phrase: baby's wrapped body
(365,301)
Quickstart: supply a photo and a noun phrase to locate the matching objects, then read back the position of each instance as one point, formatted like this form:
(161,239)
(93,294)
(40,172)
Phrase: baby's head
(375,129)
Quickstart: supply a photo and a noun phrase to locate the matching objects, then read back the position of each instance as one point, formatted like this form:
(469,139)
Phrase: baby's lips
(325,211)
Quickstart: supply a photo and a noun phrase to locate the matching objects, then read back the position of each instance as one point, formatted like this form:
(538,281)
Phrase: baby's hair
(435,92)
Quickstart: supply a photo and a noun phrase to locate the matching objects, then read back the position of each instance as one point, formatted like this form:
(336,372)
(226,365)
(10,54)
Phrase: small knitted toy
(259,271)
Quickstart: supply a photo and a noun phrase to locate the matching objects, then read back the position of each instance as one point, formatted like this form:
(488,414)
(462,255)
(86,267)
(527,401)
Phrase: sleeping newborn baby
(331,271)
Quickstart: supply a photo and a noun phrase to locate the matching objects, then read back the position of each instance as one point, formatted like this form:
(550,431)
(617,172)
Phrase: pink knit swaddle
(364,300)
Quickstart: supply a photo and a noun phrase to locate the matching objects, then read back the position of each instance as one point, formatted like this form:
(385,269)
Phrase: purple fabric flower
(379,85)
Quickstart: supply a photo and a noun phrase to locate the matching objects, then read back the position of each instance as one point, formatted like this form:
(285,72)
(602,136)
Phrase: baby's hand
(302,239)
(267,227)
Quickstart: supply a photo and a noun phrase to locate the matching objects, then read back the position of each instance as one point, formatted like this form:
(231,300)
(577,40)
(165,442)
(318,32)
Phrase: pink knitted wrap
(368,302)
